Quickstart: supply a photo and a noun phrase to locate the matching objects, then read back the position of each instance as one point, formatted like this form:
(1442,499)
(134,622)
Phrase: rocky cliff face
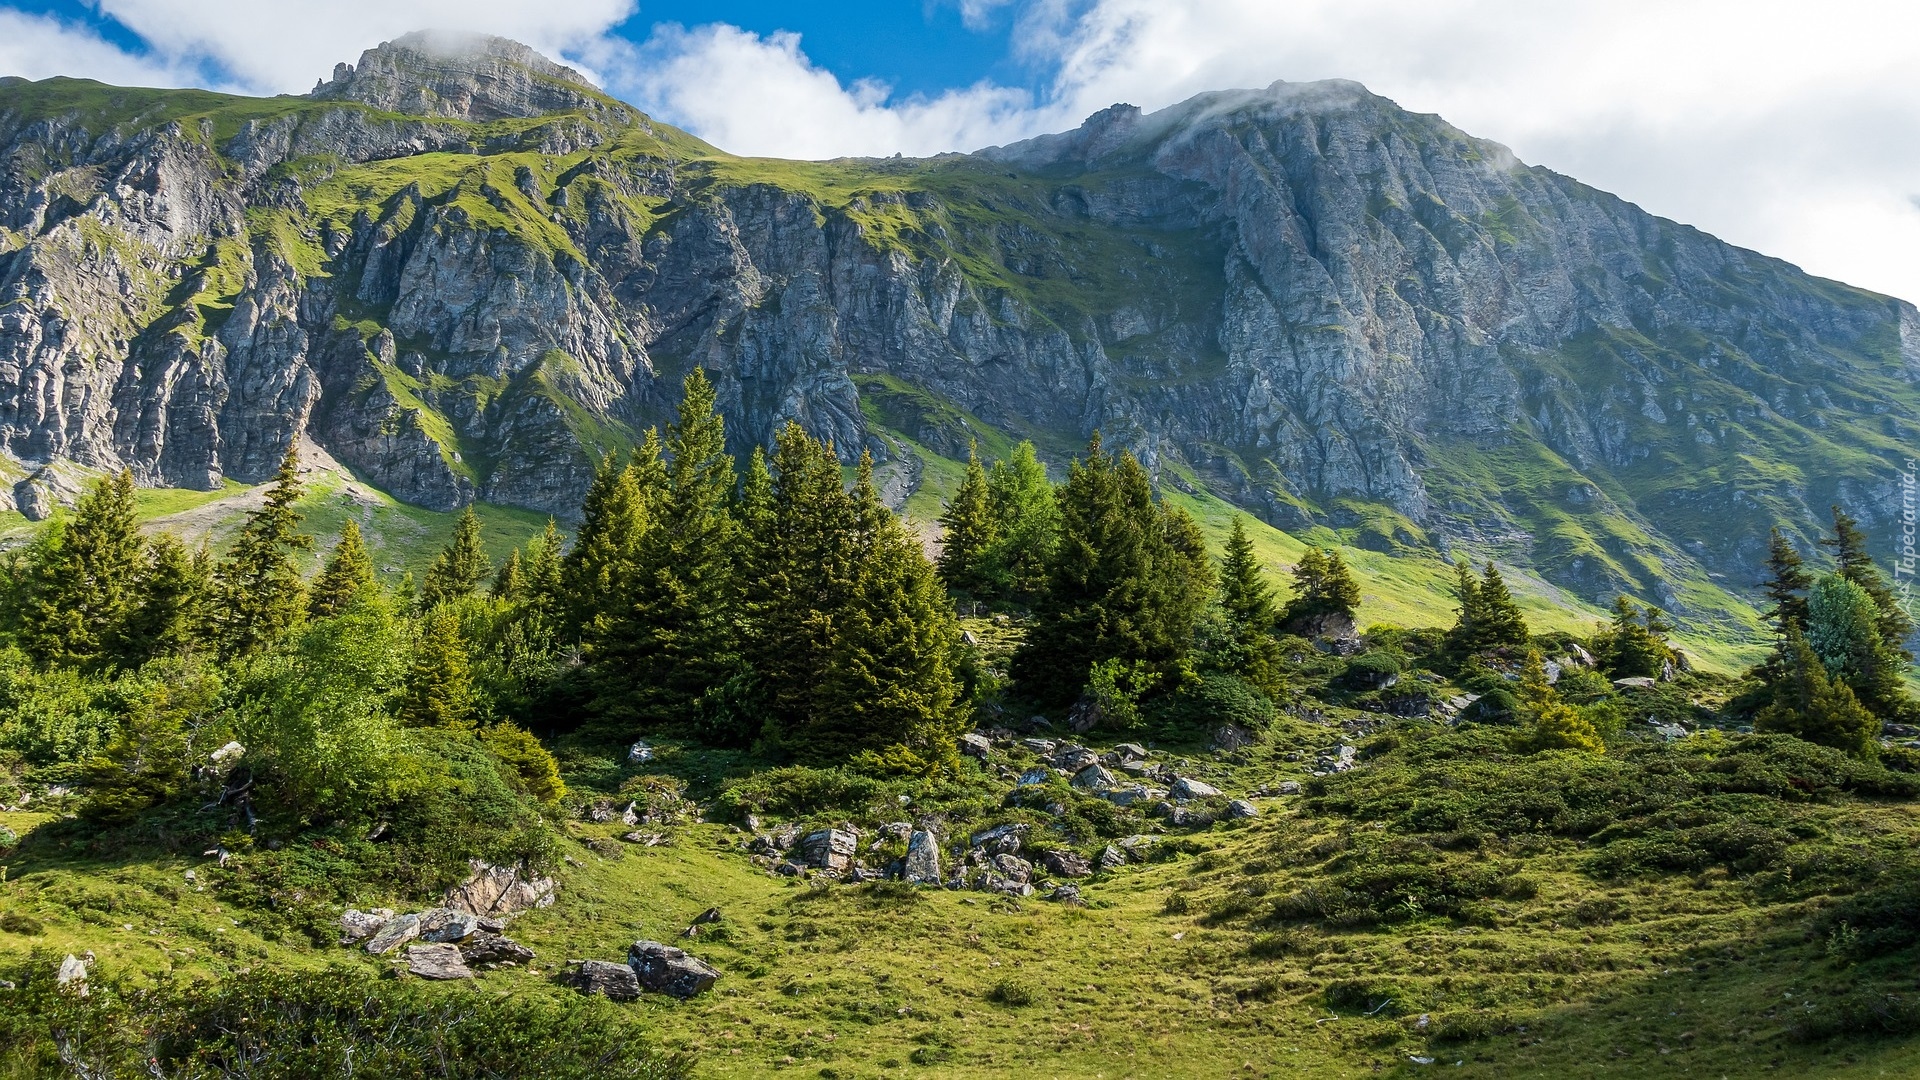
(466,273)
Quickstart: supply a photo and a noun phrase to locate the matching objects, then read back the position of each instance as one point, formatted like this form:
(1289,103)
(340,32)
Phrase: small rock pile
(651,967)
(466,931)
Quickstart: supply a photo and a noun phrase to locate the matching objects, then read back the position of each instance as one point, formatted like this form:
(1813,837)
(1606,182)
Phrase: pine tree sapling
(439,686)
(81,585)
(258,590)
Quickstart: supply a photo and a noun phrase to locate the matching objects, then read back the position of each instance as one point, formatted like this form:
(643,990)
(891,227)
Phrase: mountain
(466,272)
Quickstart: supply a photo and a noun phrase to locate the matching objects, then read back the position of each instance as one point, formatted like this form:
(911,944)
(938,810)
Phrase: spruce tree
(259,592)
(347,576)
(675,637)
(541,591)
(510,581)
(1502,626)
(1124,583)
(460,567)
(1463,638)
(1786,585)
(890,694)
(969,531)
(438,692)
(1813,706)
(1635,645)
(1026,518)
(1247,599)
(597,574)
(1244,591)
(1849,546)
(170,612)
(83,583)
(1323,586)
(802,569)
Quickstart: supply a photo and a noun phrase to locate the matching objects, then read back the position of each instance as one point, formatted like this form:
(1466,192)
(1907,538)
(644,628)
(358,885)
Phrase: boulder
(490,948)
(447,925)
(1110,858)
(1013,868)
(1127,751)
(1137,767)
(1067,864)
(664,969)
(1131,794)
(437,961)
(615,981)
(1043,747)
(1039,774)
(922,865)
(1288,787)
(1188,817)
(1231,737)
(829,849)
(72,976)
(639,753)
(1093,778)
(1638,683)
(358,926)
(500,890)
(975,746)
(1188,788)
(1067,894)
(1074,758)
(1001,839)
(1241,808)
(395,933)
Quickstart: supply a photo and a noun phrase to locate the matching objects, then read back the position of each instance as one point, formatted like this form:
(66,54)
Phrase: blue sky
(1789,126)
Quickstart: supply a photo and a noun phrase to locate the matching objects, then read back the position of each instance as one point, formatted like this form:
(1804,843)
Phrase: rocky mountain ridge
(466,273)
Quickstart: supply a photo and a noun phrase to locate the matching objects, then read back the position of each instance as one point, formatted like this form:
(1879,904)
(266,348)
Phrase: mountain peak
(460,76)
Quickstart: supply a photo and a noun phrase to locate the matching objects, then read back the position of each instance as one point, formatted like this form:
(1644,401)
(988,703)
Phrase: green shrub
(1013,992)
(1204,703)
(1374,668)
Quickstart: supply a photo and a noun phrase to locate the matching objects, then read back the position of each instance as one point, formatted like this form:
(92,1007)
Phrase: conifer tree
(1635,645)
(1849,546)
(172,595)
(1247,599)
(259,592)
(541,591)
(675,636)
(1244,591)
(1844,631)
(1786,585)
(1121,585)
(1502,626)
(347,576)
(597,573)
(438,692)
(802,573)
(969,531)
(1026,518)
(82,585)
(1809,704)
(890,693)
(460,567)
(1323,586)
(510,581)
(1554,724)
(1463,637)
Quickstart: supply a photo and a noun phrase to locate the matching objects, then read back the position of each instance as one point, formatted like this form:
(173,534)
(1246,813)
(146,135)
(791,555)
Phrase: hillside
(466,273)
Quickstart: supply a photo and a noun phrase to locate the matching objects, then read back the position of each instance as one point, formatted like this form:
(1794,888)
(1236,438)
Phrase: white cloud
(35,47)
(761,95)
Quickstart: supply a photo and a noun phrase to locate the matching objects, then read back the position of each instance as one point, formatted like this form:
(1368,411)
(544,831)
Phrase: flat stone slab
(437,961)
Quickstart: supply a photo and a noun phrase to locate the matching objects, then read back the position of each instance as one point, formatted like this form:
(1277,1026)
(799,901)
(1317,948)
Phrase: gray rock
(500,890)
(1132,795)
(437,961)
(445,925)
(829,849)
(1001,839)
(72,976)
(1072,759)
(640,753)
(922,866)
(1042,747)
(1188,788)
(1039,774)
(1093,778)
(1637,683)
(663,969)
(1288,787)
(1013,868)
(1241,808)
(1127,751)
(1067,864)
(490,948)
(616,981)
(397,932)
(975,746)
(358,926)
(1110,858)
(1067,893)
